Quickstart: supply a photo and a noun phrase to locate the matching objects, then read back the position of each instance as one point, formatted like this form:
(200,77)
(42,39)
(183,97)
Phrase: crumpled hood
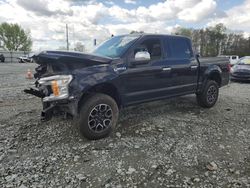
(68,57)
(52,62)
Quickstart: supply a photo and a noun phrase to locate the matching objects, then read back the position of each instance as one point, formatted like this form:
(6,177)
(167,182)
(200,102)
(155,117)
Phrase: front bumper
(63,106)
(240,77)
(58,107)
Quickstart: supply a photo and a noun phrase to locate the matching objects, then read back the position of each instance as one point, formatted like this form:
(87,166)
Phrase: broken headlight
(59,86)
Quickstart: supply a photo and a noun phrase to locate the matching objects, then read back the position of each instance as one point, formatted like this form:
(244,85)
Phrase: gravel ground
(170,143)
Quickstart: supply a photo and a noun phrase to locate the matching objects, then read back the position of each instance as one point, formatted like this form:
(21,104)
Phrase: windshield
(115,46)
(244,61)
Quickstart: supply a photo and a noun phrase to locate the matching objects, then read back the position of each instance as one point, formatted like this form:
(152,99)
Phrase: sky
(95,19)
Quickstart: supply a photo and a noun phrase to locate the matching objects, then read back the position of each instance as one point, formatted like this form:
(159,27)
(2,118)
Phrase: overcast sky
(89,19)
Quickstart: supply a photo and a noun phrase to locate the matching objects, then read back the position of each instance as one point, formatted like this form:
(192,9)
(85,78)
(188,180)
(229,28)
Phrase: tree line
(217,40)
(211,41)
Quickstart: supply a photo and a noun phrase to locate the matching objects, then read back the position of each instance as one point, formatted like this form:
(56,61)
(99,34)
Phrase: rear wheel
(98,115)
(209,96)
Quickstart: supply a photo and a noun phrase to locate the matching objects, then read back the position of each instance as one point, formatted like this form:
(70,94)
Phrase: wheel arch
(215,76)
(213,72)
(105,88)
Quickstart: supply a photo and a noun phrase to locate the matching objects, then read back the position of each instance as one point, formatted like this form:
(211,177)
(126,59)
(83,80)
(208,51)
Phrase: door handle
(194,67)
(166,69)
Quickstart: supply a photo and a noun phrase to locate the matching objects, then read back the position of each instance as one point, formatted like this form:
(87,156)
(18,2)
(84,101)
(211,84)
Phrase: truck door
(181,64)
(142,81)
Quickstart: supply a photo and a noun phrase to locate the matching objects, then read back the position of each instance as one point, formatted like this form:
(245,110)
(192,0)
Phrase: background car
(2,58)
(241,70)
(25,59)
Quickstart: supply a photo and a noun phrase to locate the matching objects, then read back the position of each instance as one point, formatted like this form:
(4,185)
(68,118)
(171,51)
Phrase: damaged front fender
(55,83)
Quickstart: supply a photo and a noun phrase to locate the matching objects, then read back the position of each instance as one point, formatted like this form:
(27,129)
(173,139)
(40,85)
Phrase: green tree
(218,38)
(184,31)
(193,34)
(15,38)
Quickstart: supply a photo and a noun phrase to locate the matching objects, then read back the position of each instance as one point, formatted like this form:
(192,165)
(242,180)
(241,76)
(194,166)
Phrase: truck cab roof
(156,35)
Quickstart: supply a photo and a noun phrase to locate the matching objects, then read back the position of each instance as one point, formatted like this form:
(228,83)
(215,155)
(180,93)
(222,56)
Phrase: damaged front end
(54,92)
(54,80)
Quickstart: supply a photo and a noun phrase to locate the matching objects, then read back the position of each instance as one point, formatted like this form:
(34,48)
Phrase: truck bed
(213,60)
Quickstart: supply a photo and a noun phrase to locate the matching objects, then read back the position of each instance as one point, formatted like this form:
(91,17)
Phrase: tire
(209,96)
(98,116)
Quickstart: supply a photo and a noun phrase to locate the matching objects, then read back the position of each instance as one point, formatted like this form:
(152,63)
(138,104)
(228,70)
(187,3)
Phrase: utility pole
(67,36)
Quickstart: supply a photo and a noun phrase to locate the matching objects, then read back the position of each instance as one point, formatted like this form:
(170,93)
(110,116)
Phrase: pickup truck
(125,70)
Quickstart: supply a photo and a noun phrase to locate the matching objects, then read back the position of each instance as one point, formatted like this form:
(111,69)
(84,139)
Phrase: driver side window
(152,46)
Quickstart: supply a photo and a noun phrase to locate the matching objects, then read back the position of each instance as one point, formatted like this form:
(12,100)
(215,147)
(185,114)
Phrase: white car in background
(25,59)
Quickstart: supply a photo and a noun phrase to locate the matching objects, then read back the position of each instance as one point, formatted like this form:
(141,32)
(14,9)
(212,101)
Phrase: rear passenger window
(179,48)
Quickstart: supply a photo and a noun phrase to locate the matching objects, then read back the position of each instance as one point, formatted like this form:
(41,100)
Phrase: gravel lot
(170,143)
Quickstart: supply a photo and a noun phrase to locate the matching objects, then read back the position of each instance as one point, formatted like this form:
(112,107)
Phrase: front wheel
(209,96)
(98,115)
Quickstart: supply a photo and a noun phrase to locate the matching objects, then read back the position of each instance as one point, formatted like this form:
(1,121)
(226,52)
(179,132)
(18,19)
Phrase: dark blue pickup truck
(124,70)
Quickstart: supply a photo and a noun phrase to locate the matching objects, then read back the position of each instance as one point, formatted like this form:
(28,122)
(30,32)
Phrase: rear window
(180,48)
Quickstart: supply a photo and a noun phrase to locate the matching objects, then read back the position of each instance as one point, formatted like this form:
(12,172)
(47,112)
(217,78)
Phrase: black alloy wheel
(98,116)
(212,94)
(209,95)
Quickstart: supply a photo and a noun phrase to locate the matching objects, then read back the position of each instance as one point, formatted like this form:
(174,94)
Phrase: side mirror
(198,55)
(142,56)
